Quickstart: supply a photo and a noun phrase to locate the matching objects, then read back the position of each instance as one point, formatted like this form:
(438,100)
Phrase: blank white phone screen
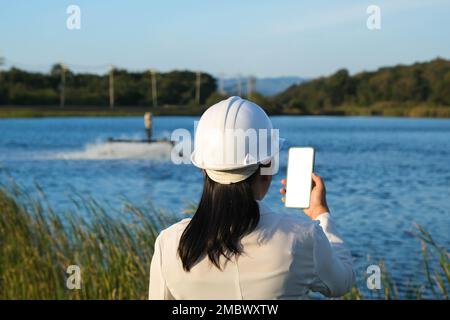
(298,179)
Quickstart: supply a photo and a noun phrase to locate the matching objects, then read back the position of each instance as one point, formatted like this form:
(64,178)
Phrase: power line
(109,70)
(83,66)
(13,63)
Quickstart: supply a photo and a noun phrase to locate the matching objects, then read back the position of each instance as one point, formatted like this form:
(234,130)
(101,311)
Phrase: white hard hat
(219,144)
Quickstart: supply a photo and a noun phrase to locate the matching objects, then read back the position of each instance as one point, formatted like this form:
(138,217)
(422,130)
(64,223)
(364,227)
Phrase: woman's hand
(318,203)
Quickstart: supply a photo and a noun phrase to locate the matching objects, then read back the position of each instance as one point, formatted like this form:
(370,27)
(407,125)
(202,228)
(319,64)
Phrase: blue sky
(261,38)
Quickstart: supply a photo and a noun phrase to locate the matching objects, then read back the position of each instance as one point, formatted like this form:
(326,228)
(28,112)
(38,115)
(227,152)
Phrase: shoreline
(10,112)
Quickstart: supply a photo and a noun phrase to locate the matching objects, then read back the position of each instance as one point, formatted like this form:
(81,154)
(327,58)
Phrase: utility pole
(221,85)
(197,88)
(154,92)
(238,85)
(2,61)
(111,86)
(251,83)
(62,98)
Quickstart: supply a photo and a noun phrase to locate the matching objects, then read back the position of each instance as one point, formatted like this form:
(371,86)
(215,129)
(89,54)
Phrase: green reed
(113,249)
(436,271)
(37,245)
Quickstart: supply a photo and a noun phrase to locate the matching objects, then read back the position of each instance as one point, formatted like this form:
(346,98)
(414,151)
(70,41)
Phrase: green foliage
(256,97)
(18,87)
(424,84)
(215,97)
(418,90)
(264,102)
(38,244)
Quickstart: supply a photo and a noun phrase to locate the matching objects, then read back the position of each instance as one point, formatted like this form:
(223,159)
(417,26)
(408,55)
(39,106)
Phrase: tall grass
(37,245)
(114,250)
(436,271)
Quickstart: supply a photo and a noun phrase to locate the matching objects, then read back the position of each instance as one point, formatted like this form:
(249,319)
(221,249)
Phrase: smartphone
(298,179)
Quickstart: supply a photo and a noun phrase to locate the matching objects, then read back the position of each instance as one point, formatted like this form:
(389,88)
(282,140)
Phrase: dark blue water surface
(382,174)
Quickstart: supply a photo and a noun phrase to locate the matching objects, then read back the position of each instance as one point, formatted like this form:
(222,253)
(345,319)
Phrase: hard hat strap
(232,176)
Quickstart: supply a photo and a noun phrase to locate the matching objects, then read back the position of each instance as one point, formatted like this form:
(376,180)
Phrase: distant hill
(265,86)
(399,87)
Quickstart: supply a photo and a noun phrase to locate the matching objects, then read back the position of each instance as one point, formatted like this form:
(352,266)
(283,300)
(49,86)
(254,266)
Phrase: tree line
(421,84)
(418,84)
(19,87)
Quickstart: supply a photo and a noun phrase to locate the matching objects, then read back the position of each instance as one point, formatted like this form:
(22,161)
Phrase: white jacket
(284,257)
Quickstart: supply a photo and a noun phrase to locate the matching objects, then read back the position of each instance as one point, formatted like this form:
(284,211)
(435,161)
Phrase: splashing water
(160,150)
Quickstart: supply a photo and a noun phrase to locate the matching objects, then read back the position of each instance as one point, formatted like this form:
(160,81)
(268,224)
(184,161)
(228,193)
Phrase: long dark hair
(225,214)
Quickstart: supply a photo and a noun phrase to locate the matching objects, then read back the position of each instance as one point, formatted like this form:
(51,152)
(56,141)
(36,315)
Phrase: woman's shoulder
(295,223)
(297,218)
(174,230)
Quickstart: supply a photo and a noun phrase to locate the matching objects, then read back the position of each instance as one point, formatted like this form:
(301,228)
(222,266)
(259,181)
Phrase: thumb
(317,180)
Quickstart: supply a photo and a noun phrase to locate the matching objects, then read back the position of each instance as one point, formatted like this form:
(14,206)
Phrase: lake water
(382,174)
